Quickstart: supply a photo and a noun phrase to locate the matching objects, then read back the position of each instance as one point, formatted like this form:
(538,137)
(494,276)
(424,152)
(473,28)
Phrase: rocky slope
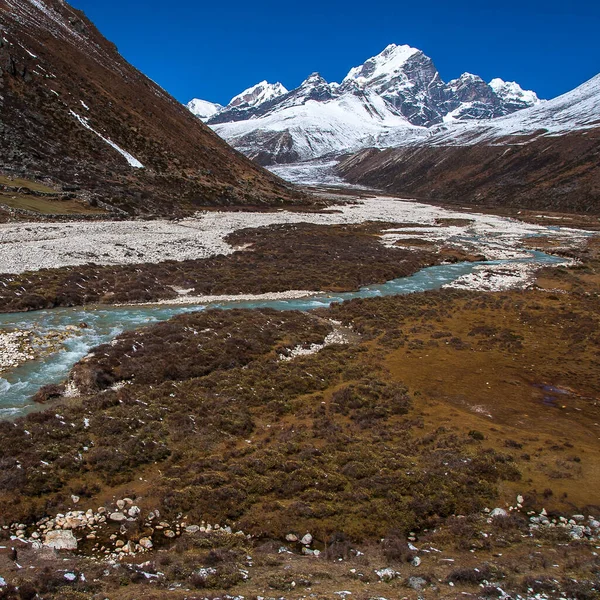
(75,113)
(544,157)
(399,90)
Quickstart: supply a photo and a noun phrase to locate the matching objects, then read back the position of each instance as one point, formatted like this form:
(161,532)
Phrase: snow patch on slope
(134,162)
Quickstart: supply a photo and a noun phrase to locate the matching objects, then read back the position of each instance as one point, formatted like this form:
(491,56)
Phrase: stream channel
(105,323)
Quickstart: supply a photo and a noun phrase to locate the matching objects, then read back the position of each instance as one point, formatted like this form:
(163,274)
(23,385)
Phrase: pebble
(117,517)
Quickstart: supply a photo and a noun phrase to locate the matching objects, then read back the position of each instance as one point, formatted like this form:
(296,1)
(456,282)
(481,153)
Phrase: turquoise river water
(105,323)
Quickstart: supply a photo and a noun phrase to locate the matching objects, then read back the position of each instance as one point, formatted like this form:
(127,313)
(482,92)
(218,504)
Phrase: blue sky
(214,50)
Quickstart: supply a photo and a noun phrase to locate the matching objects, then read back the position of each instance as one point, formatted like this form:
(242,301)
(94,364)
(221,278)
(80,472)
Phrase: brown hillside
(53,64)
(549,173)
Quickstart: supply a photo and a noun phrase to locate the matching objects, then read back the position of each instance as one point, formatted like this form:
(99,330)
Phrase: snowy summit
(258,94)
(398,92)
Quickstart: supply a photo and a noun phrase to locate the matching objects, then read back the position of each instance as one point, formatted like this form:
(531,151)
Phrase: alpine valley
(398,127)
(371,372)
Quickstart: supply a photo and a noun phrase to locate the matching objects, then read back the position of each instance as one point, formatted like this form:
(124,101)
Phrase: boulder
(498,512)
(386,574)
(416,583)
(61,540)
(577,532)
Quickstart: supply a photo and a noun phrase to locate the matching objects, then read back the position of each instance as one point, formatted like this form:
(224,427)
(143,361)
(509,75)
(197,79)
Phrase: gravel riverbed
(33,246)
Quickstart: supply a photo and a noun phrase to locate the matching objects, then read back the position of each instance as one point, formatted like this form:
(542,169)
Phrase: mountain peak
(388,62)
(313,79)
(258,94)
(511,91)
(469,77)
(203,109)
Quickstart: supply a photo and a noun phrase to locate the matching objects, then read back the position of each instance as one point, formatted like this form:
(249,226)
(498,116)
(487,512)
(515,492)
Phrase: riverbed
(33,246)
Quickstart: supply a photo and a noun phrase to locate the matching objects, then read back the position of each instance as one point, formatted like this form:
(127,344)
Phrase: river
(105,323)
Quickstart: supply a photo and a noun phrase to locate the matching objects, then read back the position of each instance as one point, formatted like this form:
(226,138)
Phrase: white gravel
(15,348)
(32,246)
(496,278)
(184,299)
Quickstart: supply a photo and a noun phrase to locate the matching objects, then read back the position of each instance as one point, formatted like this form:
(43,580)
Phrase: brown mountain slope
(66,93)
(553,173)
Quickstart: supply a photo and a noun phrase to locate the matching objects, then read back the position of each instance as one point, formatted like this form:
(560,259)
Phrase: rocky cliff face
(75,113)
(405,78)
(318,117)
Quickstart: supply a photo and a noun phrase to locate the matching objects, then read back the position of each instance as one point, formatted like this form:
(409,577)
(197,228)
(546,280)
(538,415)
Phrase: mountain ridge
(543,157)
(411,94)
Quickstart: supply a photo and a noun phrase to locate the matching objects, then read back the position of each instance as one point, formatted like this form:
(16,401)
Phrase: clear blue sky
(214,49)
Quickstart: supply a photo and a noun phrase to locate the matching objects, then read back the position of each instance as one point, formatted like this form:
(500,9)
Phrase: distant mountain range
(75,114)
(399,90)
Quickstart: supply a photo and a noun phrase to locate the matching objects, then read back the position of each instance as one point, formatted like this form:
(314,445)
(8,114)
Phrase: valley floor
(388,429)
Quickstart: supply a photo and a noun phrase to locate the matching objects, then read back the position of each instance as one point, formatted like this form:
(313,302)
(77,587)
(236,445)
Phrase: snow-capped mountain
(542,157)
(398,90)
(239,106)
(258,94)
(511,93)
(405,78)
(574,111)
(203,109)
(312,121)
